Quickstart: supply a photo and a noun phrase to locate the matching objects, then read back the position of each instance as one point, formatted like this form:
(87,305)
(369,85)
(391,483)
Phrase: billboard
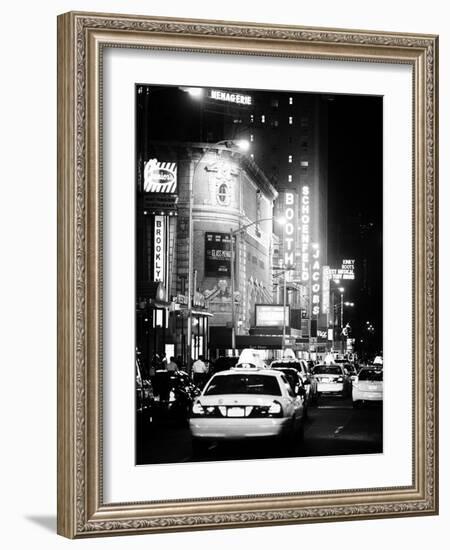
(271,315)
(346,272)
(217,255)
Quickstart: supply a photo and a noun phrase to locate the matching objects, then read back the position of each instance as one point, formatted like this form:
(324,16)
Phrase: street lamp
(284,269)
(342,290)
(231,145)
(233,233)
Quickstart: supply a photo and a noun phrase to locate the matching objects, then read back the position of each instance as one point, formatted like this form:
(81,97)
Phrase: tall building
(288,137)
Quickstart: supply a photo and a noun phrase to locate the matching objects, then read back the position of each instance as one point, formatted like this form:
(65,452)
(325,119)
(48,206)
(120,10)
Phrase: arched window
(223,194)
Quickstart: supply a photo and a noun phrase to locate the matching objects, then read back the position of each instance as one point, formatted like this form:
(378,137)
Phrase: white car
(301,366)
(368,386)
(332,379)
(246,403)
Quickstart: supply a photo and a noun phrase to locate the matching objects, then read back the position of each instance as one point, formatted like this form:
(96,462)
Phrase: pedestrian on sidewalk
(199,370)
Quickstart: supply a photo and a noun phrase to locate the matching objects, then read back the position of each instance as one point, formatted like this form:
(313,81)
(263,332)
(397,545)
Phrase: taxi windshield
(243,384)
(371,375)
(327,369)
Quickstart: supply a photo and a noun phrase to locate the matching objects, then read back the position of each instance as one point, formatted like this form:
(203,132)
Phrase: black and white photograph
(259,274)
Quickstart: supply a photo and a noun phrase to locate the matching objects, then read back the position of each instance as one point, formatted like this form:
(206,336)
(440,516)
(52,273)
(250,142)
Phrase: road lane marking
(338,429)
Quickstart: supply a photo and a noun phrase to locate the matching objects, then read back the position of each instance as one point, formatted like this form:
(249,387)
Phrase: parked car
(296,383)
(332,379)
(144,396)
(368,386)
(301,366)
(246,403)
(174,393)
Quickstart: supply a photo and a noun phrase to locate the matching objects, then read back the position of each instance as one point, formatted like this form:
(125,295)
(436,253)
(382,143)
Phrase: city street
(334,427)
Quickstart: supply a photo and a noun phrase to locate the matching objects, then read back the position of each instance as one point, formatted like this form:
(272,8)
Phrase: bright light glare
(281,220)
(243,144)
(195,92)
(341,289)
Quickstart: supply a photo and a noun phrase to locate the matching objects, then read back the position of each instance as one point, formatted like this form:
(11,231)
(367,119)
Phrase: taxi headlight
(340,379)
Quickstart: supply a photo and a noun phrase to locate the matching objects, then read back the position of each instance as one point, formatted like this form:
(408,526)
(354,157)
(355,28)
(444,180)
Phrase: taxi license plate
(236,412)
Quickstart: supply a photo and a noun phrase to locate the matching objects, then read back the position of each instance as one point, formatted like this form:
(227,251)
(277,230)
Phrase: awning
(199,312)
(153,291)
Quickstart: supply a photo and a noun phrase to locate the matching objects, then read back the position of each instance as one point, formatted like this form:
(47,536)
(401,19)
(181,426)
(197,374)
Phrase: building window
(252,118)
(252,138)
(263,118)
(290,178)
(304,122)
(252,156)
(304,145)
(274,103)
(304,163)
(223,194)
(291,100)
(290,158)
(261,264)
(275,123)
(291,120)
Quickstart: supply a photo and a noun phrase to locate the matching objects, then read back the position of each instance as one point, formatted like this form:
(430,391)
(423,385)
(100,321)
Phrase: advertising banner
(217,255)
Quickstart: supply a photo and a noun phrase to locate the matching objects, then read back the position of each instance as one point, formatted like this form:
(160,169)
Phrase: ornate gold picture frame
(82,39)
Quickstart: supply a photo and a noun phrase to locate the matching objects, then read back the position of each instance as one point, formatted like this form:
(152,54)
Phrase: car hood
(239,399)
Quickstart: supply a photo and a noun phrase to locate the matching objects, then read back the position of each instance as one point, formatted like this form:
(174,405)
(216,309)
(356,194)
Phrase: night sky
(355,203)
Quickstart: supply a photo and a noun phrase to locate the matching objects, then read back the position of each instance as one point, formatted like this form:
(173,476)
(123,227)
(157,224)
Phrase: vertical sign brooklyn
(159,254)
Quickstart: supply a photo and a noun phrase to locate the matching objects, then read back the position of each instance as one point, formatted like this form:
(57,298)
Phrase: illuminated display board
(346,272)
(230,97)
(271,315)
